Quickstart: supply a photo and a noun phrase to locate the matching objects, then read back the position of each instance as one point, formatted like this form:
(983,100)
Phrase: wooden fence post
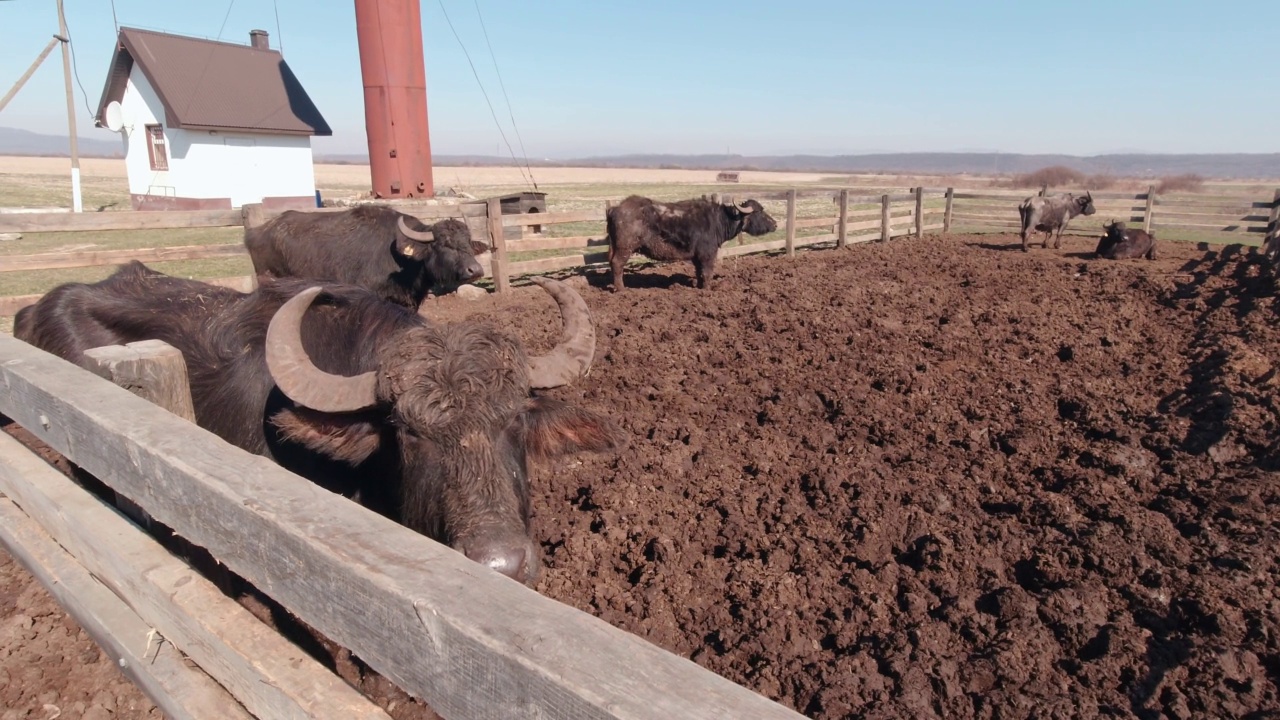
(497,238)
(254,215)
(919,212)
(885,230)
(1150,209)
(1274,219)
(152,370)
(842,228)
(946,216)
(791,222)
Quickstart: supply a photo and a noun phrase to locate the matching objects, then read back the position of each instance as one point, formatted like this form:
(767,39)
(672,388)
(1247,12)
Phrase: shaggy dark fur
(362,246)
(445,451)
(685,230)
(1118,243)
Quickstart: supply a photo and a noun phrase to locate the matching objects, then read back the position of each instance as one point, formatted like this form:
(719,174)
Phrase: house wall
(211,169)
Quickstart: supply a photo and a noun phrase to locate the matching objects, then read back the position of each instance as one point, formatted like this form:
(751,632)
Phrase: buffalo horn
(298,377)
(745,209)
(571,358)
(420,236)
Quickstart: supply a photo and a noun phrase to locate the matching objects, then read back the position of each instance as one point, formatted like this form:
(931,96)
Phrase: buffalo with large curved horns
(430,424)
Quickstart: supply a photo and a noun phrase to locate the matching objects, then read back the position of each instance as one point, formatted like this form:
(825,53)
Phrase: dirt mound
(937,478)
(934,478)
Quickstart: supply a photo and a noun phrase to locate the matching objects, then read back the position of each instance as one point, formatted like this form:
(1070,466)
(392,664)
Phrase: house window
(156,149)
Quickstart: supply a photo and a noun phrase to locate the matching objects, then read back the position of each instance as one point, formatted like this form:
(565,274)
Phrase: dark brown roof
(207,84)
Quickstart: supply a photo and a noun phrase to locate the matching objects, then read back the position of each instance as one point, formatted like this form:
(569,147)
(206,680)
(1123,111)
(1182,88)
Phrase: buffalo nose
(508,560)
(473,271)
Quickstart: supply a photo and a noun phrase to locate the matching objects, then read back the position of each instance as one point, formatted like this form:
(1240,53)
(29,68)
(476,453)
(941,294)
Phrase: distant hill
(25,142)
(1239,165)
(1224,166)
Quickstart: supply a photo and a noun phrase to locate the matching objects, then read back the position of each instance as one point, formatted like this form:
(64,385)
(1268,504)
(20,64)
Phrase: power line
(503,85)
(279,35)
(75,70)
(113,17)
(486,94)
(224,19)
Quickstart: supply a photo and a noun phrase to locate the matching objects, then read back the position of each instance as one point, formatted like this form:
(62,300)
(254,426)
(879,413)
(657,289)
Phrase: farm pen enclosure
(931,476)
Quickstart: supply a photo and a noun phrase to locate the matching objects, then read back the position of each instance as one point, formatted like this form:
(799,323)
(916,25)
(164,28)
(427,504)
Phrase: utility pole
(76,203)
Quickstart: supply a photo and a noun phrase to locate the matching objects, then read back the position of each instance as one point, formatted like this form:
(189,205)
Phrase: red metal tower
(395,97)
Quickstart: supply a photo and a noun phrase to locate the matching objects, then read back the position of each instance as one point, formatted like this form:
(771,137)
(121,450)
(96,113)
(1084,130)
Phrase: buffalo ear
(411,249)
(553,428)
(479,248)
(345,437)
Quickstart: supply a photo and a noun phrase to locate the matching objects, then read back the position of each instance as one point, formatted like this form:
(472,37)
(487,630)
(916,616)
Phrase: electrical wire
(526,178)
(75,70)
(511,113)
(279,35)
(224,19)
(114,21)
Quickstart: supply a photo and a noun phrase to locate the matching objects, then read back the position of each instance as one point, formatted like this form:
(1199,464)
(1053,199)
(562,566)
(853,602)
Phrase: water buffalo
(1050,215)
(1118,243)
(685,230)
(429,424)
(373,246)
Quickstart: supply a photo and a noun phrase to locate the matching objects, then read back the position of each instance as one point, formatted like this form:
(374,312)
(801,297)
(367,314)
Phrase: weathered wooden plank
(802,223)
(886,229)
(753,248)
(560,243)
(918,216)
(124,220)
(270,676)
(791,223)
(1160,223)
(553,218)
(842,227)
(12,304)
(1213,217)
(469,641)
(91,258)
(498,266)
(158,669)
(1212,204)
(950,209)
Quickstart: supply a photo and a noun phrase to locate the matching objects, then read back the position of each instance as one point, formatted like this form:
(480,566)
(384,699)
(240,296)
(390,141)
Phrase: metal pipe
(395,97)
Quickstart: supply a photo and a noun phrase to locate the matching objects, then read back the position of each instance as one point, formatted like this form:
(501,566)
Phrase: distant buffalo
(1050,215)
(685,230)
(373,246)
(1118,243)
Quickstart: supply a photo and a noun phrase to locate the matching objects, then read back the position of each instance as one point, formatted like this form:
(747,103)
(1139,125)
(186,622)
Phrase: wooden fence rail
(857,218)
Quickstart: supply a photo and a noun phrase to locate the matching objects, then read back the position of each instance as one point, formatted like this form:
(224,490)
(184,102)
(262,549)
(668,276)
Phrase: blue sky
(598,77)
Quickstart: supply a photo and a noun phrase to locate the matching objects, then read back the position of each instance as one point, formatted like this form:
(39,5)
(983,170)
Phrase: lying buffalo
(1119,243)
(372,246)
(1050,215)
(685,230)
(429,424)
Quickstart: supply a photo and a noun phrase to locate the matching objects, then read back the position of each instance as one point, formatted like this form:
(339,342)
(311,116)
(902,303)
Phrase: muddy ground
(932,478)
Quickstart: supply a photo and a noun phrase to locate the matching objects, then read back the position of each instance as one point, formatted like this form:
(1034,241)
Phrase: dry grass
(1188,183)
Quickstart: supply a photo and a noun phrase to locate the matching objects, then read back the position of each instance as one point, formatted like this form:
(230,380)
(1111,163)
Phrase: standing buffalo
(1117,243)
(685,230)
(429,424)
(372,246)
(1050,215)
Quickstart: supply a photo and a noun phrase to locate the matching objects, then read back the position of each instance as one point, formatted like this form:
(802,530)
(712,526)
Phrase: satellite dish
(113,116)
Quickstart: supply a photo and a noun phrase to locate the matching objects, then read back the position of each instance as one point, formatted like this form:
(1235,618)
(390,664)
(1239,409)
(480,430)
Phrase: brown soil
(931,478)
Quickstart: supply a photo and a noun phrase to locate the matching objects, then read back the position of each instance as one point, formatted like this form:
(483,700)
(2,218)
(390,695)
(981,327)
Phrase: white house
(210,124)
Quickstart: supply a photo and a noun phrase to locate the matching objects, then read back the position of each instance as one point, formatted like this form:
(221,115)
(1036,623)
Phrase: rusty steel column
(395,97)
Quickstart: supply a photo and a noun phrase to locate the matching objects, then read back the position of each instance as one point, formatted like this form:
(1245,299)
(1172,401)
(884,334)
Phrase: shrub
(1189,182)
(1099,182)
(1052,176)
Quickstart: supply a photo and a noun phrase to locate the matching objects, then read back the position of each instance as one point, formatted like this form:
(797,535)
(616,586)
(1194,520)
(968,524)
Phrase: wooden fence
(468,641)
(853,218)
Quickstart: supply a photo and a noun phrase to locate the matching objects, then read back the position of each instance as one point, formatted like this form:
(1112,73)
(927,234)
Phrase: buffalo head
(755,221)
(446,248)
(450,410)
(1085,204)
